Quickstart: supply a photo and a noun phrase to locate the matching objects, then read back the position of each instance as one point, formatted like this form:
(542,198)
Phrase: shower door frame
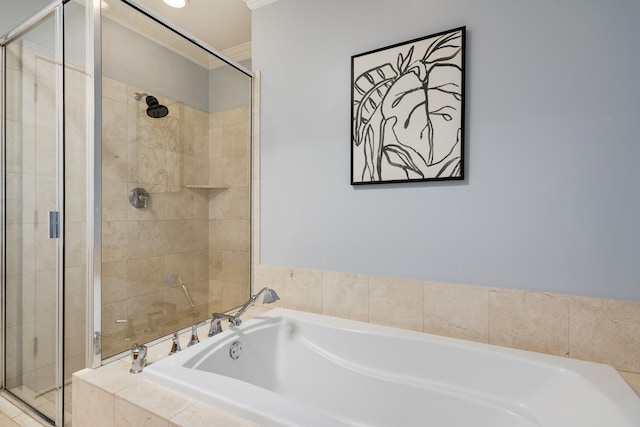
(94,165)
(56,9)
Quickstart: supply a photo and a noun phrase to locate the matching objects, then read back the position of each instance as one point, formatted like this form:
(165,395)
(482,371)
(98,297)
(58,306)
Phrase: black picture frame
(407,111)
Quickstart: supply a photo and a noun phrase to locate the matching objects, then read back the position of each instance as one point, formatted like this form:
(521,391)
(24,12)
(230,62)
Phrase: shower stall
(126,191)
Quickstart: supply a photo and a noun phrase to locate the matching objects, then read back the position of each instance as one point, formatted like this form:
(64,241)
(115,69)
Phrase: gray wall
(550,202)
(229,88)
(140,62)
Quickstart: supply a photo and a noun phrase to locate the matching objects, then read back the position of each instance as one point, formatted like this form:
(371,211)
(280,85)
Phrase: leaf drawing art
(407,111)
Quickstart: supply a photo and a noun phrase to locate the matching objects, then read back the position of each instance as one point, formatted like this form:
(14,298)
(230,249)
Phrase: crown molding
(134,21)
(238,53)
(257,4)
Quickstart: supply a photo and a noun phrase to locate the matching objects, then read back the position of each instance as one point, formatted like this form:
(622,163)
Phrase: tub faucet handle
(138,358)
(175,344)
(194,334)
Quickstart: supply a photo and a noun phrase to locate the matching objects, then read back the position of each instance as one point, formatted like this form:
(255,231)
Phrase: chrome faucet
(194,334)
(138,358)
(175,344)
(270,296)
(216,325)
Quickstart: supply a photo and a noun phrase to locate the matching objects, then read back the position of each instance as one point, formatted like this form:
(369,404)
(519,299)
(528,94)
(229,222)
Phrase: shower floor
(45,402)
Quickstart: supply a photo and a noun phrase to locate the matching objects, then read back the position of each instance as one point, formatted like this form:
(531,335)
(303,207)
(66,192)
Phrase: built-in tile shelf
(208,186)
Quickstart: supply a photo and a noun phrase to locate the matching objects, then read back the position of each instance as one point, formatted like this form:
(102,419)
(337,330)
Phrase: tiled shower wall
(229,209)
(193,164)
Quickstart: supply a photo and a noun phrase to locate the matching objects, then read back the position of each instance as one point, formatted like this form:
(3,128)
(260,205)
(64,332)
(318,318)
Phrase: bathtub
(289,368)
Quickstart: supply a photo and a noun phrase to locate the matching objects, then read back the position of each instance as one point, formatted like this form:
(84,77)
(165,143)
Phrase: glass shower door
(32,215)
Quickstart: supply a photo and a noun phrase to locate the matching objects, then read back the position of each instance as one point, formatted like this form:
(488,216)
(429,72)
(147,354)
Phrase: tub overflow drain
(235,349)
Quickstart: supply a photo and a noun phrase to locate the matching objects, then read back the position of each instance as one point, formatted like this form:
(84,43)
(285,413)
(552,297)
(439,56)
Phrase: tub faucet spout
(270,296)
(216,322)
(138,358)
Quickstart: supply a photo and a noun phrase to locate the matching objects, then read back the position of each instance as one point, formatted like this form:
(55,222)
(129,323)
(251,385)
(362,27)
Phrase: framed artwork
(407,111)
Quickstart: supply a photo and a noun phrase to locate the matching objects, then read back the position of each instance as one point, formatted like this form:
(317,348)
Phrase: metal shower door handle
(54,224)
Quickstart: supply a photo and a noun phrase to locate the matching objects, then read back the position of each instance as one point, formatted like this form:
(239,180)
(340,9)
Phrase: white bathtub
(300,369)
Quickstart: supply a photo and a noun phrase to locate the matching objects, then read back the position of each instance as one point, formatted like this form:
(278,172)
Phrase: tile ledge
(633,379)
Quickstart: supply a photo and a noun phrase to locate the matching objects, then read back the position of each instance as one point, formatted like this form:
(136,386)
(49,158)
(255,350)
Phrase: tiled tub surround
(199,233)
(593,329)
(110,396)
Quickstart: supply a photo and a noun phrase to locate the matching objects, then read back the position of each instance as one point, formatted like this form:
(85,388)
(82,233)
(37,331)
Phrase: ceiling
(224,25)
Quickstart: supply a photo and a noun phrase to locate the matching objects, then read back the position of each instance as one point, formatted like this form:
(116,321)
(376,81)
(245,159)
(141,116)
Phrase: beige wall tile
(115,160)
(200,415)
(21,160)
(111,377)
(530,321)
(181,264)
(92,406)
(235,266)
(345,295)
(236,171)
(20,261)
(268,276)
(114,281)
(301,289)
(633,379)
(21,299)
(8,408)
(155,399)
(232,203)
(115,90)
(230,234)
(234,294)
(115,200)
(75,333)
(21,198)
(75,199)
(396,302)
(112,330)
(114,116)
(145,275)
(201,265)
(6,421)
(130,415)
(458,311)
(235,116)
(24,420)
(606,331)
(215,296)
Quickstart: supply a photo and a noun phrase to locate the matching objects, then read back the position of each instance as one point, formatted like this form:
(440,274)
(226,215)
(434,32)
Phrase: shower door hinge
(54,224)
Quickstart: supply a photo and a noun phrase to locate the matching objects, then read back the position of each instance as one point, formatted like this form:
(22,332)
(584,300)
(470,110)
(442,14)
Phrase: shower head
(155,110)
(270,296)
